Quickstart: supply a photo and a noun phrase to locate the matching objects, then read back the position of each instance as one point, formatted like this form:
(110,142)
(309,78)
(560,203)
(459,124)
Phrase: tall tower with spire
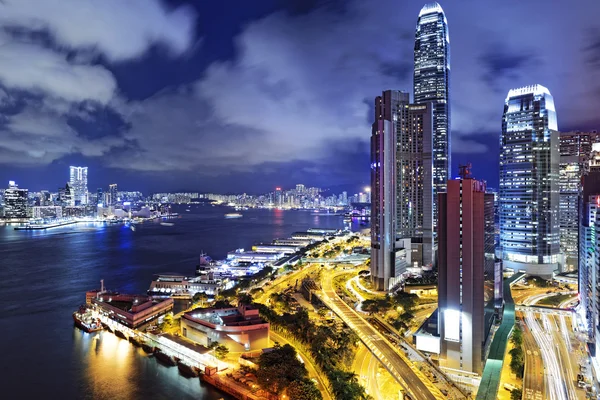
(431,83)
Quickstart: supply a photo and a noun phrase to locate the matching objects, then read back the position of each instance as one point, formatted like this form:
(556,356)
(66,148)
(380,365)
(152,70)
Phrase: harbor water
(44,276)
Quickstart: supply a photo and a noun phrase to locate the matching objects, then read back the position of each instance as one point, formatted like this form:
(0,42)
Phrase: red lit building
(466,276)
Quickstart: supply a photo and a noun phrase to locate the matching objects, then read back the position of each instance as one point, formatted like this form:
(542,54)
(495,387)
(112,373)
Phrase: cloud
(118,29)
(26,66)
(37,135)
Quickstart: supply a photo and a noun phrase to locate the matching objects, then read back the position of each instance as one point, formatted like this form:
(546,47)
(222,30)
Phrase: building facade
(383,188)
(431,83)
(575,150)
(15,202)
(589,251)
(465,297)
(240,329)
(414,180)
(112,196)
(529,175)
(78,182)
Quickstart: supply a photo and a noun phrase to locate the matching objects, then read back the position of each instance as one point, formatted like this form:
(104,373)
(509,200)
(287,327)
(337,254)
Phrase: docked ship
(85,320)
(233,215)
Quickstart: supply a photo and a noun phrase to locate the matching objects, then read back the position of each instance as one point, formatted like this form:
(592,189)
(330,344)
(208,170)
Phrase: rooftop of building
(243,315)
(130,303)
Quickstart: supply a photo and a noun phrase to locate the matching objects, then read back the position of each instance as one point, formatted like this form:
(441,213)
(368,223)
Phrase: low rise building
(179,285)
(133,311)
(240,329)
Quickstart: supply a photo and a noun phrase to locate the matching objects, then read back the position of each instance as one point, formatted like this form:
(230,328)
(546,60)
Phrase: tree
(516,394)
(278,368)
(244,298)
(517,362)
(303,390)
(517,336)
(222,304)
(200,298)
(221,351)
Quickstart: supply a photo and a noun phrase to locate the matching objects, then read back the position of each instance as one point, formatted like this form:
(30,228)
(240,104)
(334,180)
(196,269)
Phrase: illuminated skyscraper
(467,282)
(78,183)
(575,151)
(112,195)
(401,186)
(432,84)
(589,251)
(383,187)
(529,175)
(15,201)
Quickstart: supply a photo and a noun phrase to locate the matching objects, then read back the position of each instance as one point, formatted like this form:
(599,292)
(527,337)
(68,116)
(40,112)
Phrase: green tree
(201,298)
(244,298)
(517,336)
(517,362)
(221,351)
(278,368)
(303,390)
(516,394)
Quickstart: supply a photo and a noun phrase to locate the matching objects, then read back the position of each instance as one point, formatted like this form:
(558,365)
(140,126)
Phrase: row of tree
(517,356)
(332,347)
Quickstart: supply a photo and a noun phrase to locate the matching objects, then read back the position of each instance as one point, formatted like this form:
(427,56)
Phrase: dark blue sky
(246,95)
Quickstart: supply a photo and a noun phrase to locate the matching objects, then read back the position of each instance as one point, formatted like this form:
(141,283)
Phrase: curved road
(410,378)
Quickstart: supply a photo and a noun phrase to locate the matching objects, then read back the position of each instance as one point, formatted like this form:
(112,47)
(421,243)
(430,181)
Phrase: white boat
(167,223)
(233,215)
(132,227)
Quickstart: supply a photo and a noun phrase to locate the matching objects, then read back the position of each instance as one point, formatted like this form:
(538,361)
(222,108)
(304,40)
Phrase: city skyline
(109,118)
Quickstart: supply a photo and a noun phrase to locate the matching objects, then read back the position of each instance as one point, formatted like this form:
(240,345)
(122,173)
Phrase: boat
(120,334)
(187,370)
(85,321)
(188,210)
(148,348)
(132,227)
(233,215)
(167,223)
(164,358)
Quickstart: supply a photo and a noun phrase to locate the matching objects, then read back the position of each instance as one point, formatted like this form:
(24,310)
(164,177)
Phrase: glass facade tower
(575,151)
(529,175)
(78,183)
(431,83)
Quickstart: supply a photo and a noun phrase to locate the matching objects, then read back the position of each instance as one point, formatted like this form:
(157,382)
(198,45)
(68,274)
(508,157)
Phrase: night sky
(232,96)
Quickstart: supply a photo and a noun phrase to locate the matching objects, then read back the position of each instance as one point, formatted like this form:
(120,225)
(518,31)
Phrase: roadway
(533,381)
(410,378)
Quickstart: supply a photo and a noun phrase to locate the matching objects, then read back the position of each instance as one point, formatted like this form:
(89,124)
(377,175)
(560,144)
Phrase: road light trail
(556,390)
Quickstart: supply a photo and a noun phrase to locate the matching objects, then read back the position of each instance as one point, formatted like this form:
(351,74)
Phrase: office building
(431,83)
(414,181)
(15,202)
(575,149)
(383,187)
(112,197)
(589,250)
(65,196)
(78,182)
(47,212)
(529,176)
(401,189)
(466,280)
(99,197)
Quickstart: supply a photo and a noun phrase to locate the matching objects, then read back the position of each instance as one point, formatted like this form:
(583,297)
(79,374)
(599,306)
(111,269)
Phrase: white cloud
(28,67)
(119,29)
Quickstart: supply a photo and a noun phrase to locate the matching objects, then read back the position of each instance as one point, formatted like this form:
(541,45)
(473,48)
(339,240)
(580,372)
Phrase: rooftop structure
(240,329)
(133,311)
